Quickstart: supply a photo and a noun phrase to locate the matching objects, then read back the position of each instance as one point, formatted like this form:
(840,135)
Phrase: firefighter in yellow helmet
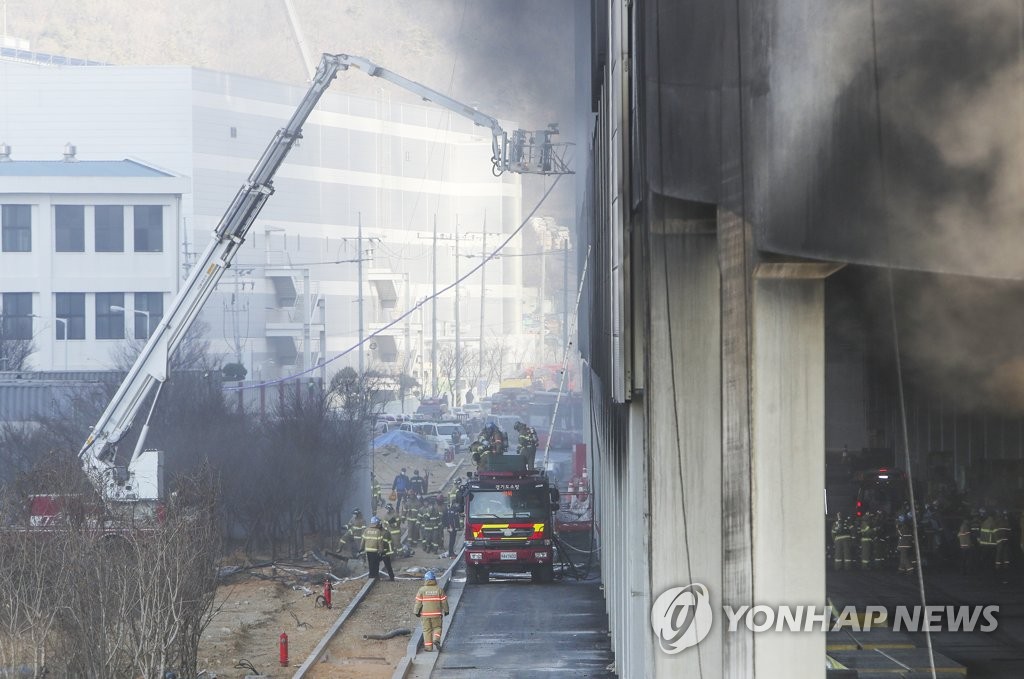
(431,604)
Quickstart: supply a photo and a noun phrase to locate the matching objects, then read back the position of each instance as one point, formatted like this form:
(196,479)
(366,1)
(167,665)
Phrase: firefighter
(393,522)
(352,533)
(429,522)
(418,484)
(439,511)
(413,519)
(842,543)
(867,537)
(375,498)
(976,519)
(1001,535)
(527,442)
(460,497)
(966,540)
(453,492)
(451,520)
(882,539)
(987,541)
(376,542)
(906,545)
(431,604)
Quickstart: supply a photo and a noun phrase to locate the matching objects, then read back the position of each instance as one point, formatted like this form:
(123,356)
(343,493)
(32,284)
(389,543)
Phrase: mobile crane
(140,479)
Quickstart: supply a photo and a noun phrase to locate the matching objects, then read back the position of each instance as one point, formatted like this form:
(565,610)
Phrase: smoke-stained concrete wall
(787,461)
(684,428)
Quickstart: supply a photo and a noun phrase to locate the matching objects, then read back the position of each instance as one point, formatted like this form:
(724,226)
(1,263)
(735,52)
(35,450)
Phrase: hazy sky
(513,59)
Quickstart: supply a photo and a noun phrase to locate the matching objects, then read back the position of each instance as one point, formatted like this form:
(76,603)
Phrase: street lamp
(114,307)
(64,321)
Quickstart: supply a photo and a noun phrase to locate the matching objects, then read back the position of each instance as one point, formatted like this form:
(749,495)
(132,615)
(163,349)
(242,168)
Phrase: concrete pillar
(788,460)
(683,395)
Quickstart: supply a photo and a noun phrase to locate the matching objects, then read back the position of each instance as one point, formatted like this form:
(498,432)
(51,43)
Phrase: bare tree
(14,353)
(87,598)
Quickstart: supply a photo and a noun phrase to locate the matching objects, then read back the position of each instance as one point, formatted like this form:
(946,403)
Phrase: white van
(439,433)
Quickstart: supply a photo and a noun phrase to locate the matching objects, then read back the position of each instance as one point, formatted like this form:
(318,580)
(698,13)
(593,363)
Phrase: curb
(321,646)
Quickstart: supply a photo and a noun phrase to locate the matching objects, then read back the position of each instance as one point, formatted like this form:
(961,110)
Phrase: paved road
(512,629)
(994,655)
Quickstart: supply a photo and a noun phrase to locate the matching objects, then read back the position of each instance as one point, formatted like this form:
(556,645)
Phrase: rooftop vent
(69,153)
(5,153)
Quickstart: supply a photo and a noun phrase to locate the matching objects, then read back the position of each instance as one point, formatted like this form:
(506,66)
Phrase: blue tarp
(408,442)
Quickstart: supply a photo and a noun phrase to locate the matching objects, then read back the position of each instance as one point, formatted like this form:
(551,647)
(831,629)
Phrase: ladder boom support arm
(521,154)
(150,368)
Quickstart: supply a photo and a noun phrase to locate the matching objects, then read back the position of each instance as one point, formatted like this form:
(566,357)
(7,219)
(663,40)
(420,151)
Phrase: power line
(418,304)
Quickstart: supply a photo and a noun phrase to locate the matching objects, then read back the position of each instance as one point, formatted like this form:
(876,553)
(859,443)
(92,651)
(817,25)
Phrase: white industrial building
(89,255)
(291,298)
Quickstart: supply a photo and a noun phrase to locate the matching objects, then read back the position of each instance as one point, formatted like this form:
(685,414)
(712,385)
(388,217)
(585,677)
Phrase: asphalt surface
(516,629)
(994,655)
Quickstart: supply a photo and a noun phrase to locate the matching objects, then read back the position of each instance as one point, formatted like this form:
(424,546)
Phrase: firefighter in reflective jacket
(528,442)
(1001,535)
(412,519)
(352,533)
(966,541)
(867,537)
(376,542)
(393,523)
(842,543)
(431,604)
(905,531)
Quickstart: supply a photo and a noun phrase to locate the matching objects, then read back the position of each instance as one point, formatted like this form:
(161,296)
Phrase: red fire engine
(509,522)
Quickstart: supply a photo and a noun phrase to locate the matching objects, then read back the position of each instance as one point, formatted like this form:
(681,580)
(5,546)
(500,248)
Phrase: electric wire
(565,359)
(415,307)
(672,362)
(896,339)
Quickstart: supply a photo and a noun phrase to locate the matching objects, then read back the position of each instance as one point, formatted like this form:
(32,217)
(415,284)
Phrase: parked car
(438,433)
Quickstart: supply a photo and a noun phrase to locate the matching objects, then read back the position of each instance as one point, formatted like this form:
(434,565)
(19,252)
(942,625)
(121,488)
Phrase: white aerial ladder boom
(526,152)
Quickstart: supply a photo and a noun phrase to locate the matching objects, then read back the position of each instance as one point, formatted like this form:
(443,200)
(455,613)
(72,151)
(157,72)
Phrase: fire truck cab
(509,522)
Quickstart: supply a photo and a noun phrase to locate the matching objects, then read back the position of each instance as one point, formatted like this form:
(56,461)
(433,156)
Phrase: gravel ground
(254,612)
(388,606)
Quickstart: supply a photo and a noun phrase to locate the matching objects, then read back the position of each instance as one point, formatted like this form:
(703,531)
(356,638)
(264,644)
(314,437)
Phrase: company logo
(682,617)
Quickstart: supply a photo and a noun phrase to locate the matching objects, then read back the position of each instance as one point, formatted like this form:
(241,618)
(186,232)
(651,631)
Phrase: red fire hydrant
(282,649)
(327,593)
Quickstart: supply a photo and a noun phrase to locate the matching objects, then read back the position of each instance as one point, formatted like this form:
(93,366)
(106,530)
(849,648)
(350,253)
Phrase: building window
(17,316)
(69,221)
(152,303)
(149,228)
(71,308)
(109,322)
(109,228)
(16,227)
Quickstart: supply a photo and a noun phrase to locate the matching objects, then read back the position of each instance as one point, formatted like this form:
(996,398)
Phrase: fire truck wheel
(482,576)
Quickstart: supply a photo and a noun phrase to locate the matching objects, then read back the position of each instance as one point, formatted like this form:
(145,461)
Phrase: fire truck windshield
(524,503)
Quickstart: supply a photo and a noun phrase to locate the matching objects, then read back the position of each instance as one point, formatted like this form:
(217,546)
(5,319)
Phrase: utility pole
(408,339)
(359,261)
(323,343)
(543,282)
(307,341)
(433,319)
(565,294)
(483,294)
(458,335)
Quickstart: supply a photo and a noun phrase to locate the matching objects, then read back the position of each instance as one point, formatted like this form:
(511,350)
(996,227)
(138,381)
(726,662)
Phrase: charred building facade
(804,222)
